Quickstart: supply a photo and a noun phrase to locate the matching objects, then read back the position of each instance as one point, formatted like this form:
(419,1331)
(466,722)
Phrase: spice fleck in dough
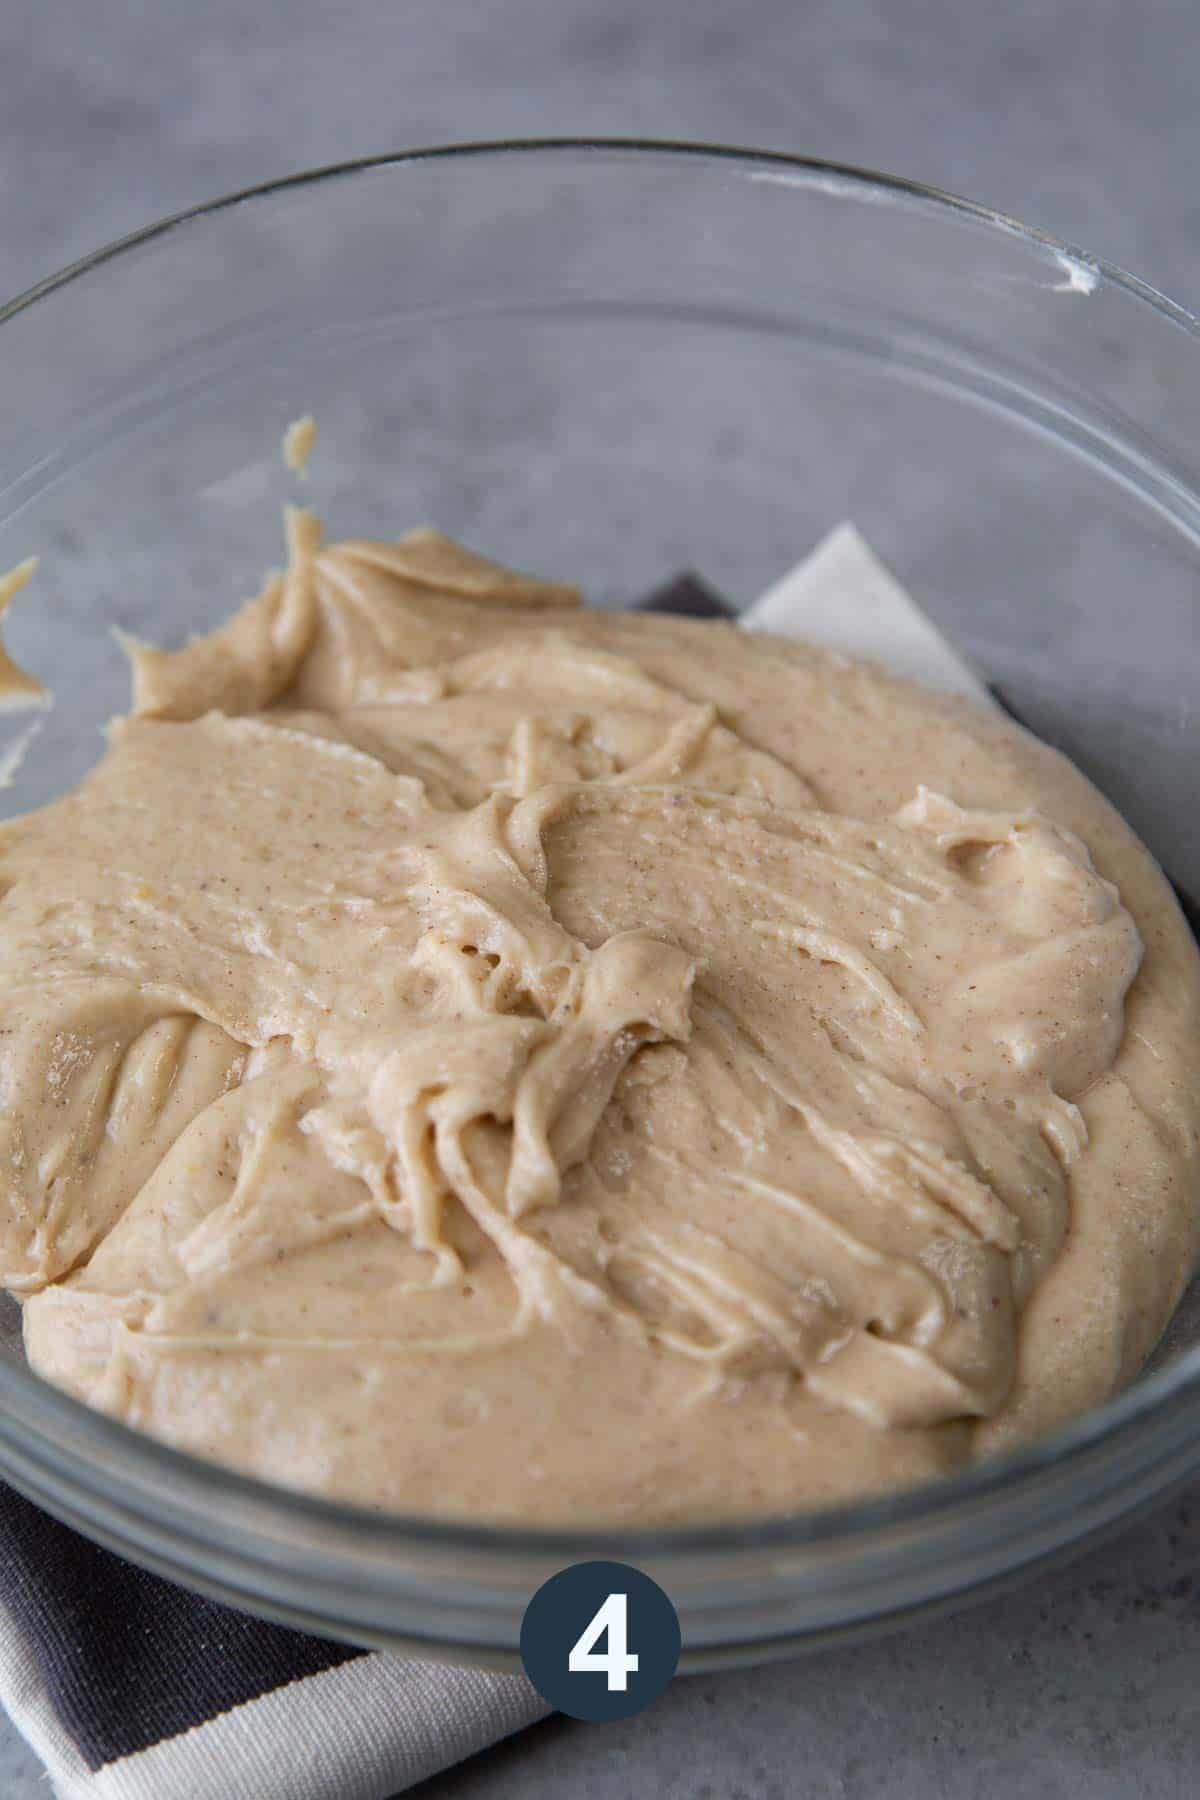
(472,1054)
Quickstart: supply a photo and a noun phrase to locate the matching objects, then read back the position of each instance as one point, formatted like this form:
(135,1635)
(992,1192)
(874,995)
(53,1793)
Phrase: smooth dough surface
(473,1054)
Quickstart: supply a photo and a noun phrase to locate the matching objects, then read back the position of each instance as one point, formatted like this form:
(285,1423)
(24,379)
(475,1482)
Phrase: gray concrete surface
(1079,116)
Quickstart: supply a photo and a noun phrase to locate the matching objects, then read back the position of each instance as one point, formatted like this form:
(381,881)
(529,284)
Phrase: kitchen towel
(130,1688)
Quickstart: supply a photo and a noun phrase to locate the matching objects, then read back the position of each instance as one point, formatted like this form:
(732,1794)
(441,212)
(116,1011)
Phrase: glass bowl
(612,362)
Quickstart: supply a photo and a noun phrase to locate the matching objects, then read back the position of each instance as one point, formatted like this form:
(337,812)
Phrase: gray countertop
(1080,117)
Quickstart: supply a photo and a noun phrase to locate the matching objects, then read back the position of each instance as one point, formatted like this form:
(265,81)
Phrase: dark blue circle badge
(600,1641)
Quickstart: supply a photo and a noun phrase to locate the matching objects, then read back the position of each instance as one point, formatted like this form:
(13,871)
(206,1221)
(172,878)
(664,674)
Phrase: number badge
(600,1640)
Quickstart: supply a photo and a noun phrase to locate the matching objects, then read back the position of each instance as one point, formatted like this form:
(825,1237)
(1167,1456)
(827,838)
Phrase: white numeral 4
(616,1661)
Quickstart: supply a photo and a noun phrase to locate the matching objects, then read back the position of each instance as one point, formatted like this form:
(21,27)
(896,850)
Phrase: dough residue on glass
(470,1053)
(17,687)
(299,441)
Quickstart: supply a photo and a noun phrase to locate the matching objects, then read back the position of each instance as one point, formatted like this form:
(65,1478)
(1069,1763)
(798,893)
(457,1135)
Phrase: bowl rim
(853,175)
(209,1490)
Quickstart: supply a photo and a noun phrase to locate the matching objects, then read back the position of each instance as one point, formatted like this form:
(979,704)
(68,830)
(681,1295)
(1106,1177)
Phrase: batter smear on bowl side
(476,1055)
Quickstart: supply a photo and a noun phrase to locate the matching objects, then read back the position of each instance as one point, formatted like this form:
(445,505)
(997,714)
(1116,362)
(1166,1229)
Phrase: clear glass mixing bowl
(612,362)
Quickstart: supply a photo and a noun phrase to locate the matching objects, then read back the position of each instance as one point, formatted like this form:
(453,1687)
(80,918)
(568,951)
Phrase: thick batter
(472,1054)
